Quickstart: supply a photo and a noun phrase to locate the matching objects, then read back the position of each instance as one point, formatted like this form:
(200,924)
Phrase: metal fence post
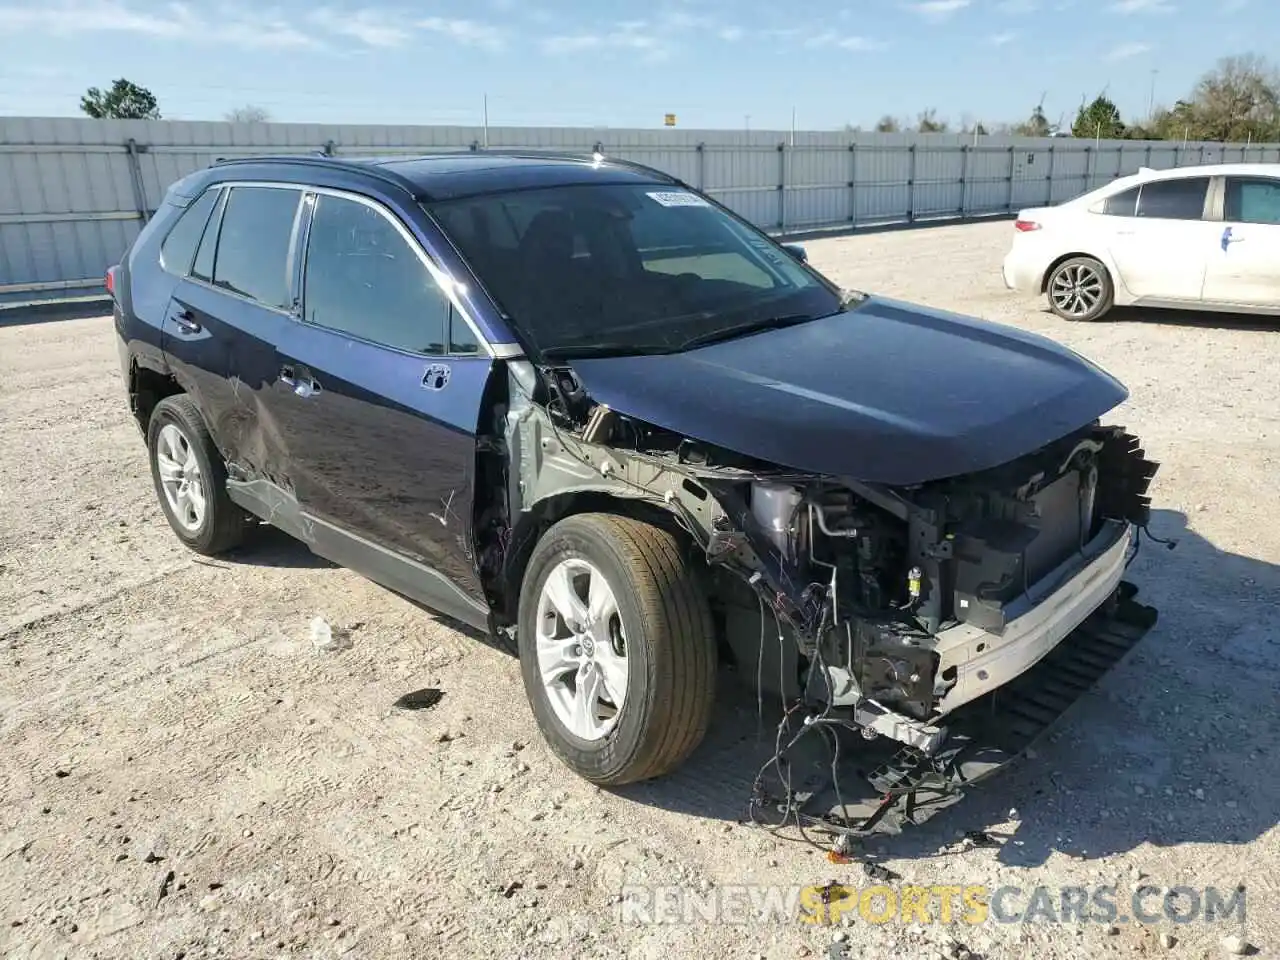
(1009,203)
(135,177)
(782,186)
(911,184)
(1119,162)
(1224,155)
(853,184)
(1053,163)
(964,180)
(702,166)
(1088,169)
(1148,164)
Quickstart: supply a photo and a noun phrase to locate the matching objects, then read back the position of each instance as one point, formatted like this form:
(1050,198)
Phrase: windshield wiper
(753,326)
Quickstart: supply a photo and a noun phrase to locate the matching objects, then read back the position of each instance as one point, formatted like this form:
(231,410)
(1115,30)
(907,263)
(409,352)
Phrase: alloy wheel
(180,477)
(582,649)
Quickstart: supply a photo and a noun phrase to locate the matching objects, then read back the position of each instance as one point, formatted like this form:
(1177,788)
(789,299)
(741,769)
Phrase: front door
(377,398)
(1161,250)
(1244,267)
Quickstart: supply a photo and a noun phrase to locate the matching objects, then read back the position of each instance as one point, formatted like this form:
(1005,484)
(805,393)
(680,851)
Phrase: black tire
(1071,270)
(224,524)
(670,647)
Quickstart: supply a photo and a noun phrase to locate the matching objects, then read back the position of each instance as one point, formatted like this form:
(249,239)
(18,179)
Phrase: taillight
(111,281)
(1025,226)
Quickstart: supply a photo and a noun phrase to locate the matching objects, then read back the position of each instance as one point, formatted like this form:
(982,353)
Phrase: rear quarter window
(179,247)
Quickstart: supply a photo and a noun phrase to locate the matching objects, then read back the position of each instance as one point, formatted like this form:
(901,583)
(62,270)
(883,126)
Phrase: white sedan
(1204,238)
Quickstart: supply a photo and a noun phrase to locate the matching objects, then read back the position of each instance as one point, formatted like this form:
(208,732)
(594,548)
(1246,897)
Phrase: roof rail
(373,170)
(596,155)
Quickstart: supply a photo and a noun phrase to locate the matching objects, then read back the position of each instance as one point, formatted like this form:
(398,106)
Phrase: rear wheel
(1080,289)
(190,479)
(617,648)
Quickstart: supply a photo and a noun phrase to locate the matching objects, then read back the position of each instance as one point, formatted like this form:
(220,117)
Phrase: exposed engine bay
(880,598)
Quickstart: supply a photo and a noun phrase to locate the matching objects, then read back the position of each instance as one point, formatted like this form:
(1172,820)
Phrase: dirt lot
(185,776)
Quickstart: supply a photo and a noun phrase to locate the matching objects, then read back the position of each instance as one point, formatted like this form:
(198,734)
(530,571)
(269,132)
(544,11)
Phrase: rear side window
(364,279)
(253,244)
(1253,200)
(1122,204)
(179,247)
(1181,199)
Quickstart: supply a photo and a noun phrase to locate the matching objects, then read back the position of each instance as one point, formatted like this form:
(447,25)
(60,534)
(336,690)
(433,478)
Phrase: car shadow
(269,546)
(1177,745)
(1201,319)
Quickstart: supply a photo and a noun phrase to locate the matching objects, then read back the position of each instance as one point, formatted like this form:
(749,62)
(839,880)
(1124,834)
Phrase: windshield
(628,268)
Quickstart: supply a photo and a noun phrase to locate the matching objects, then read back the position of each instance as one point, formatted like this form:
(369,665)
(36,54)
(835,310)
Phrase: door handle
(302,384)
(186,322)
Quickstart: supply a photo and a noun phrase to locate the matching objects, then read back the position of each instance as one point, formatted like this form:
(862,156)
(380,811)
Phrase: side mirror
(796,251)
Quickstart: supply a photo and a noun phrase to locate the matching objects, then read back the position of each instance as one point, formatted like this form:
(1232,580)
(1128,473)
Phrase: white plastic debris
(324,639)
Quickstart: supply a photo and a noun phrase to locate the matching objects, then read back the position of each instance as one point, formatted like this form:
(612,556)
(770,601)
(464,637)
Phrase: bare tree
(928,122)
(248,114)
(888,124)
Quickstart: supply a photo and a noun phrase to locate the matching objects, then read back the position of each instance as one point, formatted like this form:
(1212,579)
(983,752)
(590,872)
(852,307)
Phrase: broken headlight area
(895,612)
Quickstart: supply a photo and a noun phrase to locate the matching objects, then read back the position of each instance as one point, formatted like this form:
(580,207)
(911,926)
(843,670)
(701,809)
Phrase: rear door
(1160,239)
(1244,267)
(377,396)
(226,314)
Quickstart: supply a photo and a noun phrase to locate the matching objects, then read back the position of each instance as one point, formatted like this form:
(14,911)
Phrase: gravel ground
(185,776)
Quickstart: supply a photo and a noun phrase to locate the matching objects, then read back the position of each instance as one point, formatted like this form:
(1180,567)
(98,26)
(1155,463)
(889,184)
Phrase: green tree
(124,101)
(888,124)
(1099,119)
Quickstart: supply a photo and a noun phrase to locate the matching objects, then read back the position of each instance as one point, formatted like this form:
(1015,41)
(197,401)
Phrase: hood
(886,392)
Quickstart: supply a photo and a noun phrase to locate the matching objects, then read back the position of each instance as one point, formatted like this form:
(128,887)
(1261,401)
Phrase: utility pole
(486,121)
(746,122)
(1151,98)
(793,127)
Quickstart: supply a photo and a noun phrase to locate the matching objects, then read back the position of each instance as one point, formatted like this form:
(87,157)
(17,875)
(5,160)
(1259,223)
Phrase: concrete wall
(74,192)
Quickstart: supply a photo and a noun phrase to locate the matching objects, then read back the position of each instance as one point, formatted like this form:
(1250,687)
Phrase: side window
(1179,199)
(1122,204)
(1252,200)
(461,338)
(202,269)
(364,279)
(253,244)
(179,247)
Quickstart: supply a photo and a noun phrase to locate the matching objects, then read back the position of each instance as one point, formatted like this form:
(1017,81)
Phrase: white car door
(1161,244)
(1245,265)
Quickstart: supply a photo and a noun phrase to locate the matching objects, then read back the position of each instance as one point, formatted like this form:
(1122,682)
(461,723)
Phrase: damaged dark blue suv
(578,404)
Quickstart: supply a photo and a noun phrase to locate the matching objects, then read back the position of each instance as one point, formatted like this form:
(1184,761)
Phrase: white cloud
(370,27)
(731,34)
(633,35)
(939,9)
(1004,38)
(234,26)
(1128,7)
(469,33)
(1019,6)
(830,38)
(1127,50)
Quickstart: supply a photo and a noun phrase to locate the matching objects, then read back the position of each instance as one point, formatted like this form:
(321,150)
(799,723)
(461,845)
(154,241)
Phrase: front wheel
(1080,289)
(617,648)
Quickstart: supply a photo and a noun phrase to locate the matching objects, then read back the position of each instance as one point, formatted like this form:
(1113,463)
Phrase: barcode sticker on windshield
(678,199)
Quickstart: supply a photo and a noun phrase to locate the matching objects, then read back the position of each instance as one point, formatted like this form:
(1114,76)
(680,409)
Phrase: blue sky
(715,63)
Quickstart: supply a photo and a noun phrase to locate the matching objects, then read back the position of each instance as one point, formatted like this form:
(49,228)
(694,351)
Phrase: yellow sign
(669,120)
